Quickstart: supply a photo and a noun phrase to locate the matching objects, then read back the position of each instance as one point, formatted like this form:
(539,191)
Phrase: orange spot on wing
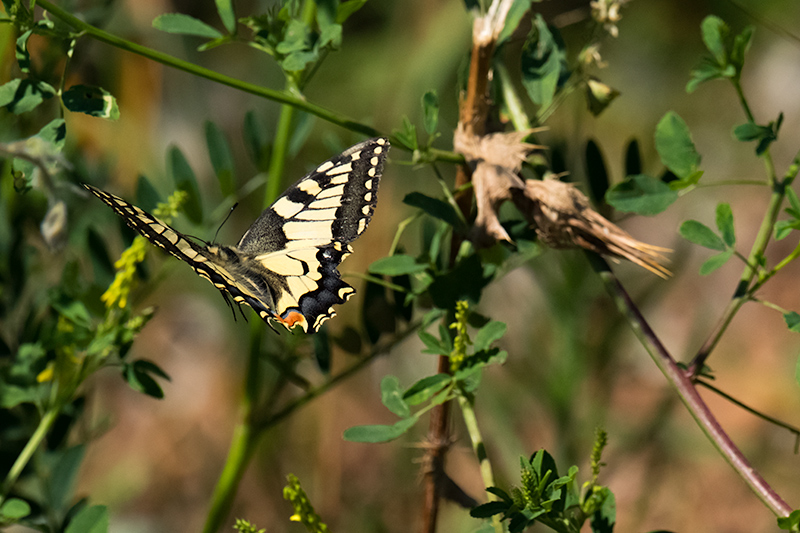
(292,318)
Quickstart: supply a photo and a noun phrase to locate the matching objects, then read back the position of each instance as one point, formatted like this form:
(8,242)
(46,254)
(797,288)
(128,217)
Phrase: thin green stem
(743,290)
(467,403)
(742,100)
(756,412)
(27,452)
(682,382)
(514,105)
(241,451)
(283,97)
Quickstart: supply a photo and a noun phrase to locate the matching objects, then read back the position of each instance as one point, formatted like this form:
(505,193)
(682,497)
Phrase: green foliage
(698,233)
(765,135)
(727,56)
(544,63)
(184,25)
(466,365)
(641,194)
(554,501)
(791,522)
(92,519)
(677,151)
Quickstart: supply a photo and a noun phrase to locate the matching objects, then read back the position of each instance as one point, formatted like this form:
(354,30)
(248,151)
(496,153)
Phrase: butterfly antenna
(234,206)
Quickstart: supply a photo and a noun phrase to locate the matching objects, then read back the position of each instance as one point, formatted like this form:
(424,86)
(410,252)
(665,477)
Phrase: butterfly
(285,265)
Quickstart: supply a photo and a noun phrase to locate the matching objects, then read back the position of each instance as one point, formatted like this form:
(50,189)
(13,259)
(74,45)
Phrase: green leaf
(392,397)
(489,509)
(750,131)
(518,10)
(707,70)
(219,152)
(255,139)
(138,376)
(22,95)
(407,135)
(725,224)
(348,8)
(790,522)
(465,282)
(184,179)
(425,388)
(94,101)
(542,63)
(227,15)
(784,227)
(297,61)
(13,509)
(714,262)
(62,478)
(147,196)
(22,54)
(488,334)
(741,44)
(699,233)
(379,433)
(92,519)
(396,265)
(603,519)
(715,33)
(434,207)
(433,344)
(185,25)
(792,320)
(675,146)
(641,194)
(430,111)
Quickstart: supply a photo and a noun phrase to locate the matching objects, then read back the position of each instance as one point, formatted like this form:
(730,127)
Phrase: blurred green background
(573,365)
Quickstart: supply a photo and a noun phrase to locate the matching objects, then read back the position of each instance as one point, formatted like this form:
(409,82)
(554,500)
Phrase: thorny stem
(683,385)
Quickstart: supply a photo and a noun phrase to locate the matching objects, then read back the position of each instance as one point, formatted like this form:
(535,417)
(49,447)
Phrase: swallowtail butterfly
(284,266)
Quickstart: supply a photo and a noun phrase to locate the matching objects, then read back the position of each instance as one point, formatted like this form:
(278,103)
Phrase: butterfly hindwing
(285,265)
(305,234)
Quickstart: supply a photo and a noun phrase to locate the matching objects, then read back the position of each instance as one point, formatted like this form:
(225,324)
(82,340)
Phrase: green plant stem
(792,429)
(742,100)
(246,435)
(514,105)
(271,419)
(467,403)
(683,385)
(279,150)
(166,59)
(283,97)
(241,451)
(27,452)
(742,293)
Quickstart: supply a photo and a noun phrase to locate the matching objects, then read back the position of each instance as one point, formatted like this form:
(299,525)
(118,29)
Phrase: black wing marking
(305,234)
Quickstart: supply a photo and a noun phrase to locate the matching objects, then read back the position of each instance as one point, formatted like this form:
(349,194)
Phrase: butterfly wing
(285,265)
(300,240)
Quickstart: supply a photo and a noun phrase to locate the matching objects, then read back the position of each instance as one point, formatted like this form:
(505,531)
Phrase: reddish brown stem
(682,382)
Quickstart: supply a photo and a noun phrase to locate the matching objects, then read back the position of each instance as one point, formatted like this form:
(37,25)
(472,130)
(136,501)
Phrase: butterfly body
(285,265)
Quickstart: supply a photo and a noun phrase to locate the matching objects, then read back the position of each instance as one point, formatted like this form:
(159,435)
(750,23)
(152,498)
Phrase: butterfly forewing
(285,265)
